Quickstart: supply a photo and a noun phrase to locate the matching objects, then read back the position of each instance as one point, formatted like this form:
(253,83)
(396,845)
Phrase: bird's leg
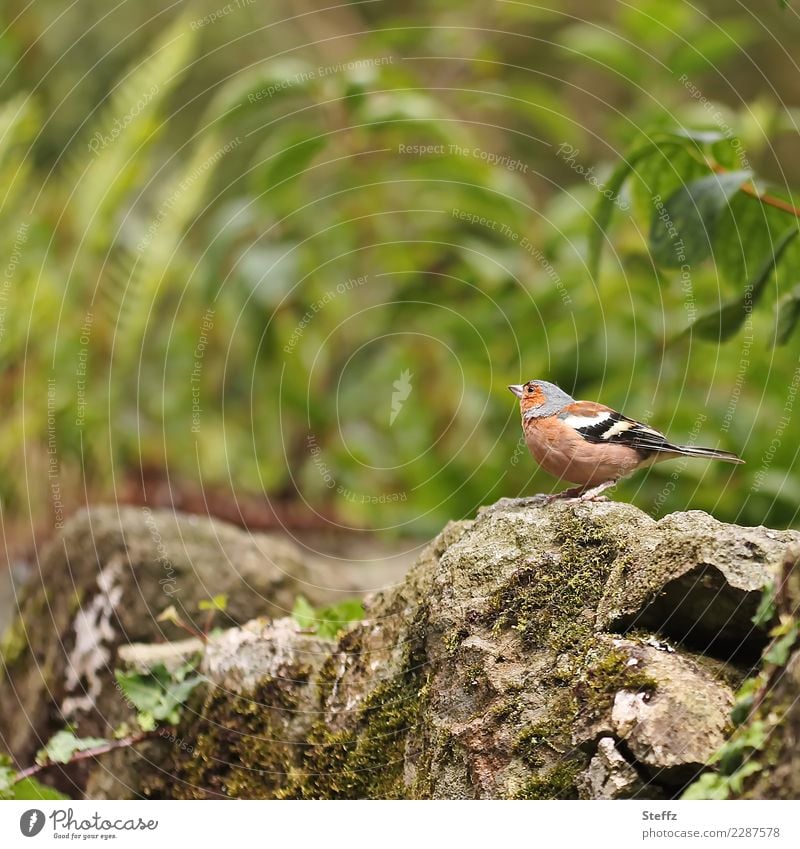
(572,492)
(593,494)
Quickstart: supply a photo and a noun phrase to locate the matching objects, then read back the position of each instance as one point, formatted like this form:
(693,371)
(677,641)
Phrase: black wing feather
(635,435)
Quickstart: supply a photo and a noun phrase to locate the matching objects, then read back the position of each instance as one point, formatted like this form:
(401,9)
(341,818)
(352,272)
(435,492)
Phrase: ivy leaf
(723,323)
(158,695)
(788,316)
(683,229)
(60,748)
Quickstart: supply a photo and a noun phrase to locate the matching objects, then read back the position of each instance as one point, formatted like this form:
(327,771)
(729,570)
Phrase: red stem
(110,746)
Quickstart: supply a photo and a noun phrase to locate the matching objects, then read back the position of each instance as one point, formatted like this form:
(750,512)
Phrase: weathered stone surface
(528,654)
(102,585)
(610,776)
(676,692)
(488,673)
(697,580)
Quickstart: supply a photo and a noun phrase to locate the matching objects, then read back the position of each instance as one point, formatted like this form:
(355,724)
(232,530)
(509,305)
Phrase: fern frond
(112,158)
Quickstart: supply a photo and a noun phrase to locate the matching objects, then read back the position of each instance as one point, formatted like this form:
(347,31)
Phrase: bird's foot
(593,494)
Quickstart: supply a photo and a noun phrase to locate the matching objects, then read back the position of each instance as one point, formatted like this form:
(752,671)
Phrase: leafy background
(158,161)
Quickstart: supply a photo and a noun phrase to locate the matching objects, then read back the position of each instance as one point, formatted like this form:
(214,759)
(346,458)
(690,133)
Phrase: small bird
(590,444)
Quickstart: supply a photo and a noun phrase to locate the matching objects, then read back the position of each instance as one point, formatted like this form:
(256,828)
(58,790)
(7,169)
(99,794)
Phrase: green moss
(551,602)
(453,639)
(365,761)
(607,676)
(556,783)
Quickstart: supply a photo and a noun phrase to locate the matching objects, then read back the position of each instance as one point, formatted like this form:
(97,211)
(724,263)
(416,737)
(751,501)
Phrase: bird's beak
(516,388)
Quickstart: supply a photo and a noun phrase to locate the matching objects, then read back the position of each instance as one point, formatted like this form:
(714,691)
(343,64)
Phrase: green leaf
(328,622)
(31,789)
(766,607)
(778,652)
(722,324)
(304,614)
(60,748)
(218,602)
(708,786)
(788,315)
(606,203)
(336,618)
(684,227)
(737,779)
(146,720)
(293,158)
(7,774)
(158,695)
(170,614)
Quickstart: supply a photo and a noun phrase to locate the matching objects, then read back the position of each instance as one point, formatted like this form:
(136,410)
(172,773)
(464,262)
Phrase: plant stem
(110,746)
(750,189)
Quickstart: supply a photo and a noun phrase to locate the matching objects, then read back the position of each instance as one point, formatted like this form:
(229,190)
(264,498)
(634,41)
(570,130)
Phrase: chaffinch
(590,444)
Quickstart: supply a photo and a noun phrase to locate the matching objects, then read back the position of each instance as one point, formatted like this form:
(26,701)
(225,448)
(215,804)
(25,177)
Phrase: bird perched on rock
(590,444)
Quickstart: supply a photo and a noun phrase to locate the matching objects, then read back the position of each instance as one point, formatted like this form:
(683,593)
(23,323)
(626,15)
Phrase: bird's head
(539,398)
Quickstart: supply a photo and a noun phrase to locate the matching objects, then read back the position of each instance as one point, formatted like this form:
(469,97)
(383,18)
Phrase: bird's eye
(529,388)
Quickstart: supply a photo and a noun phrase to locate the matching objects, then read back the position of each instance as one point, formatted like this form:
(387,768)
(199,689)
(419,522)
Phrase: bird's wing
(600,424)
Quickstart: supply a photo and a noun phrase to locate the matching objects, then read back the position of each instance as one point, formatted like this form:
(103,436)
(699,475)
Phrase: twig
(749,188)
(110,746)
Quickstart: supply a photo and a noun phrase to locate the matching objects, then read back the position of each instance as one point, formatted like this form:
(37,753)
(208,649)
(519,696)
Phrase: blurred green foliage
(302,253)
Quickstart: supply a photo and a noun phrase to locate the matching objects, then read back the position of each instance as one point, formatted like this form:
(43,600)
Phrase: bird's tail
(710,453)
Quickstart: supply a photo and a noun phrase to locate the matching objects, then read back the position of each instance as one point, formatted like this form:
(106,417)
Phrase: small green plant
(159,695)
(327,622)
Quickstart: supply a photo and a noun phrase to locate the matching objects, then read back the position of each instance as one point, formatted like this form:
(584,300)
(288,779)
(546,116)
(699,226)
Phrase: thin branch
(84,755)
(749,188)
